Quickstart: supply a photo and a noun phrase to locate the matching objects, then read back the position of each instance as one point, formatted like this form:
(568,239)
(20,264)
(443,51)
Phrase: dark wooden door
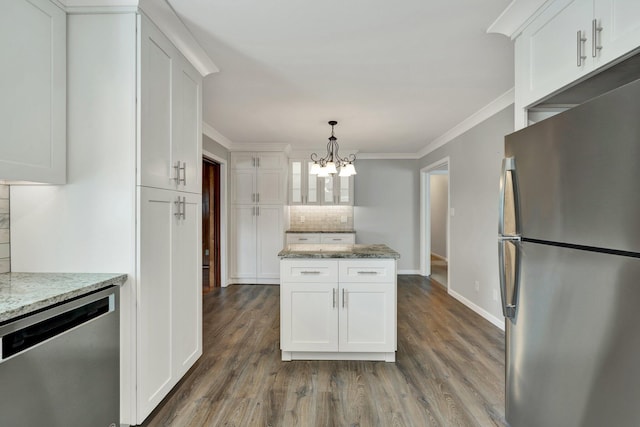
(210,225)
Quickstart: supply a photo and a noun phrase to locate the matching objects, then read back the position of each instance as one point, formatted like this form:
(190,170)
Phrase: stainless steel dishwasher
(60,366)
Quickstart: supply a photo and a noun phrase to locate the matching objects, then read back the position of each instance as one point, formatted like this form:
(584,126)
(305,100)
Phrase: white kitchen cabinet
(303,187)
(336,190)
(323,238)
(169,301)
(569,40)
(338,309)
(170,109)
(258,183)
(33,87)
(257,238)
(258,178)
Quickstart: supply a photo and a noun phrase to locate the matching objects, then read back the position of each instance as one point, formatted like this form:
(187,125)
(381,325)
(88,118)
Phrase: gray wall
(387,207)
(474,175)
(213,147)
(438,193)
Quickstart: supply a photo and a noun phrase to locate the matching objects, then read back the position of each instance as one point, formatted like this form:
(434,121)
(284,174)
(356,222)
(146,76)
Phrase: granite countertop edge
(25,293)
(318,251)
(320,231)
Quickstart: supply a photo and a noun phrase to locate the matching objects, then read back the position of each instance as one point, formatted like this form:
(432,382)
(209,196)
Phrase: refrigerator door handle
(508,168)
(509,308)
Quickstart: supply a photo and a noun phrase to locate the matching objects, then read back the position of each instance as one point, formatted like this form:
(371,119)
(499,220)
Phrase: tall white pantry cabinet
(132,202)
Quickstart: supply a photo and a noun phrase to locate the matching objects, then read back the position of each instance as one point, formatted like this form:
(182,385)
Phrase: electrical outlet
(477,286)
(495,295)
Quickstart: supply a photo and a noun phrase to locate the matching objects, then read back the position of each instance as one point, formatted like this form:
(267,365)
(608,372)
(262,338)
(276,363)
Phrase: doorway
(211,236)
(434,215)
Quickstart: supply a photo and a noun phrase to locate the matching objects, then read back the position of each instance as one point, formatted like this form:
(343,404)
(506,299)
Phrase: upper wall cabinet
(169,156)
(33,91)
(308,189)
(570,39)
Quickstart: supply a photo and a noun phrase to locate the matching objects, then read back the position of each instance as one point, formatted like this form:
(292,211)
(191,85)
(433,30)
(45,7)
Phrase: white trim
(408,271)
(494,107)
(257,146)
(163,15)
(515,17)
(481,311)
(253,281)
(425,215)
(224,244)
(214,134)
(387,156)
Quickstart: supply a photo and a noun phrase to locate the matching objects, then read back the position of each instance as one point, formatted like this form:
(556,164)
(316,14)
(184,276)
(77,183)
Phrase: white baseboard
(408,271)
(498,322)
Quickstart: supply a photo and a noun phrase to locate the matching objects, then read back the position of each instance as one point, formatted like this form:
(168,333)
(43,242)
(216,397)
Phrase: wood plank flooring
(449,369)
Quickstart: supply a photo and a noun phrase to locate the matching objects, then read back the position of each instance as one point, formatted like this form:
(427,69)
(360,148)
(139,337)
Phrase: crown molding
(213,133)
(494,107)
(388,156)
(516,16)
(258,146)
(162,14)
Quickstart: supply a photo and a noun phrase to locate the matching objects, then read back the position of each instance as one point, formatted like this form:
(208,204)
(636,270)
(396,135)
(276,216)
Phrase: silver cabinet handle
(343,297)
(580,44)
(258,197)
(258,161)
(254,161)
(596,31)
(300,239)
(179,168)
(309,272)
(334,297)
(509,167)
(337,240)
(253,197)
(367,272)
(509,308)
(257,210)
(181,208)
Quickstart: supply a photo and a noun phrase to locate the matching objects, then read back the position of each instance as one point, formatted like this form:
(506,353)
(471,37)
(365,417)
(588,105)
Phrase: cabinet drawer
(303,238)
(369,270)
(339,238)
(311,271)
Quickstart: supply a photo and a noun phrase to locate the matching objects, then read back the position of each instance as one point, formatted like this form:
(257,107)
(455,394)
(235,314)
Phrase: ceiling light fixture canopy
(329,164)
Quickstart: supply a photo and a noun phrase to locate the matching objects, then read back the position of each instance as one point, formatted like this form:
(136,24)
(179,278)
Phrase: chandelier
(329,164)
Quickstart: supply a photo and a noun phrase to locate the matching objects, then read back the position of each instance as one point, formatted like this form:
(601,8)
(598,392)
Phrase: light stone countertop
(24,293)
(337,251)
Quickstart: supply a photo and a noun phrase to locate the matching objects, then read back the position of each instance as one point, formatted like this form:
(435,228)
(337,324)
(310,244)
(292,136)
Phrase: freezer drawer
(573,346)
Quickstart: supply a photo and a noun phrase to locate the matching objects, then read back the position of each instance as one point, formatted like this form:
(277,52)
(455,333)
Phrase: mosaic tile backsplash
(321,218)
(5,262)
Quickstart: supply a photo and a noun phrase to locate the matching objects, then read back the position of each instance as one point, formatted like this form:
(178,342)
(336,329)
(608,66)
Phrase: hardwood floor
(449,369)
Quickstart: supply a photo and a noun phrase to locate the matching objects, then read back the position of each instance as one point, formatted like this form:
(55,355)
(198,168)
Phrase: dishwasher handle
(32,335)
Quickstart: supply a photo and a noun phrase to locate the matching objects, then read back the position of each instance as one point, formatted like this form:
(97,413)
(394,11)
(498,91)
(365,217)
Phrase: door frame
(425,216)
(224,282)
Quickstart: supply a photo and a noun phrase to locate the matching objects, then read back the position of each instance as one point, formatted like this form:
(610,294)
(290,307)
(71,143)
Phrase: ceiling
(395,75)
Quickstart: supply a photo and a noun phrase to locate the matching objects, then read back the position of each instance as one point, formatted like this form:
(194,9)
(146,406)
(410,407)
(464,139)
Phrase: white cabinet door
(270,161)
(344,190)
(327,190)
(33,91)
(243,253)
(269,241)
(243,186)
(154,346)
(547,50)
(367,317)
(156,162)
(620,34)
(187,133)
(296,182)
(186,293)
(308,317)
(270,187)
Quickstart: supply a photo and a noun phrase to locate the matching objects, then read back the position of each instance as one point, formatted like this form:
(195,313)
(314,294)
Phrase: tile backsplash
(321,218)
(5,262)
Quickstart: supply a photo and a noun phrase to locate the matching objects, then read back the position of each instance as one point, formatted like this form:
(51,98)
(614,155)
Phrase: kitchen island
(338,302)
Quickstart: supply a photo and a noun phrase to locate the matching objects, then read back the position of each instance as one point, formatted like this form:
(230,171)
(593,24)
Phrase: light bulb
(315,168)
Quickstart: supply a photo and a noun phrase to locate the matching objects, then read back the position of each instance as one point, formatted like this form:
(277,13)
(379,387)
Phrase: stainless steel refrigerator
(569,249)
